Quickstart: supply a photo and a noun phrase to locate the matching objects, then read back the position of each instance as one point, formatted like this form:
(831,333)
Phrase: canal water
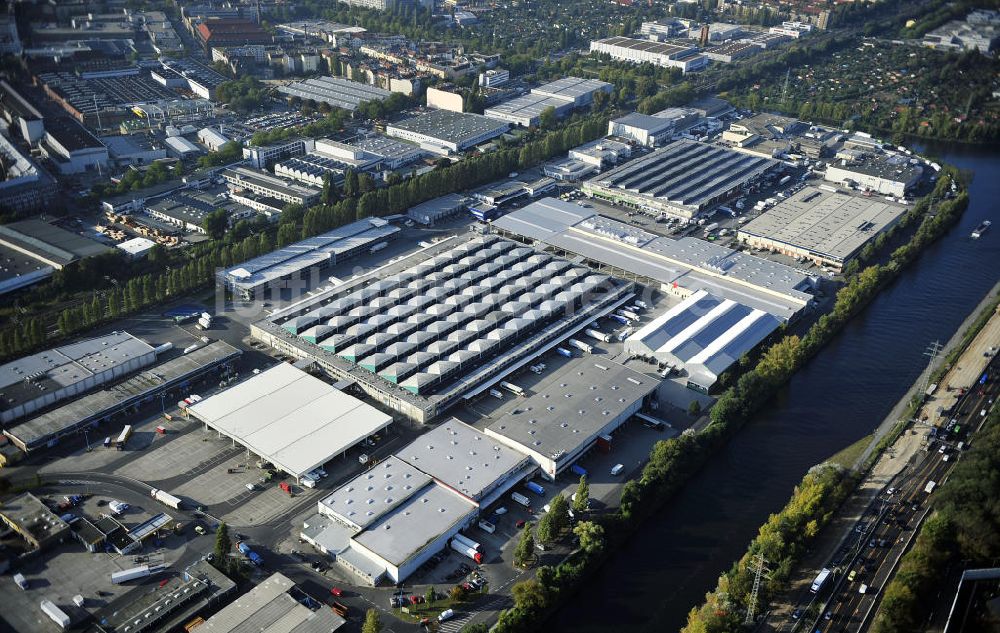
(842,395)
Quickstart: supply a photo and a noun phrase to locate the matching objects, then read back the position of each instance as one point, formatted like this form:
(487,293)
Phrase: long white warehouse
(703,335)
(290,418)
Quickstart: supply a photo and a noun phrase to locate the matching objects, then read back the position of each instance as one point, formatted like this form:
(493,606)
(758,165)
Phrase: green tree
(478,627)
(529,596)
(559,509)
(547,118)
(456,593)
(591,536)
(216,223)
(431,595)
(223,544)
(525,549)
(547,531)
(581,500)
(373,622)
(694,409)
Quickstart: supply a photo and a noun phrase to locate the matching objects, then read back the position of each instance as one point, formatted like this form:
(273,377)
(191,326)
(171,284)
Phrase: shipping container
(165,498)
(579,470)
(580,345)
(461,538)
(463,549)
(126,575)
(21,581)
(598,335)
(512,388)
(58,615)
(123,437)
(535,488)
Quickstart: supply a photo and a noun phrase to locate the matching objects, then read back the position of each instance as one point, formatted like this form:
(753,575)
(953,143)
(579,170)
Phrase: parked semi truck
(468,541)
(580,345)
(125,575)
(123,437)
(165,498)
(249,553)
(465,550)
(628,314)
(519,498)
(598,335)
(620,319)
(514,389)
(562,351)
(55,613)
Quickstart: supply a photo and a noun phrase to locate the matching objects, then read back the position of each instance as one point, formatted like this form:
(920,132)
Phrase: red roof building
(231,32)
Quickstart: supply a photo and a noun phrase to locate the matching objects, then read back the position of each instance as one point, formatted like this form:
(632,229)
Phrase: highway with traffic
(847,598)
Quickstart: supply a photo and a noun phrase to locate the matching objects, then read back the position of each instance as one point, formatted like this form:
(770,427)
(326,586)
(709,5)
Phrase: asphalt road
(886,530)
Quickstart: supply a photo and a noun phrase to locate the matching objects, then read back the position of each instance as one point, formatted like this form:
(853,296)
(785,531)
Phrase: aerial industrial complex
(827,227)
(681,179)
(444,324)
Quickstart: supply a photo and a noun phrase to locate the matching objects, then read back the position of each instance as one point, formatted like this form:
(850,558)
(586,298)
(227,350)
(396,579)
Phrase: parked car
(447,614)
(617,469)
(337,591)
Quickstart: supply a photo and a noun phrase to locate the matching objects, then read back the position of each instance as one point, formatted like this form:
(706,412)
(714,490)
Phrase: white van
(486,526)
(617,469)
(308,482)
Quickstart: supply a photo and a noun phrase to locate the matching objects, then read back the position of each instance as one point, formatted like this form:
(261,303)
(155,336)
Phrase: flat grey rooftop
(376,491)
(461,457)
(93,406)
(454,127)
(571,88)
(690,262)
(572,406)
(400,534)
(48,242)
(685,173)
(30,377)
(342,93)
(269,608)
(836,225)
(314,251)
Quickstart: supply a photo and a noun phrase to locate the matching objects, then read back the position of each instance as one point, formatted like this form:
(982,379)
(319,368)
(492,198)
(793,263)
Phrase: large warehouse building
(446,132)
(681,179)
(684,57)
(562,95)
(290,418)
(390,519)
(341,93)
(101,406)
(37,381)
(445,323)
(676,267)
(565,415)
(287,267)
(888,175)
(702,336)
(827,227)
